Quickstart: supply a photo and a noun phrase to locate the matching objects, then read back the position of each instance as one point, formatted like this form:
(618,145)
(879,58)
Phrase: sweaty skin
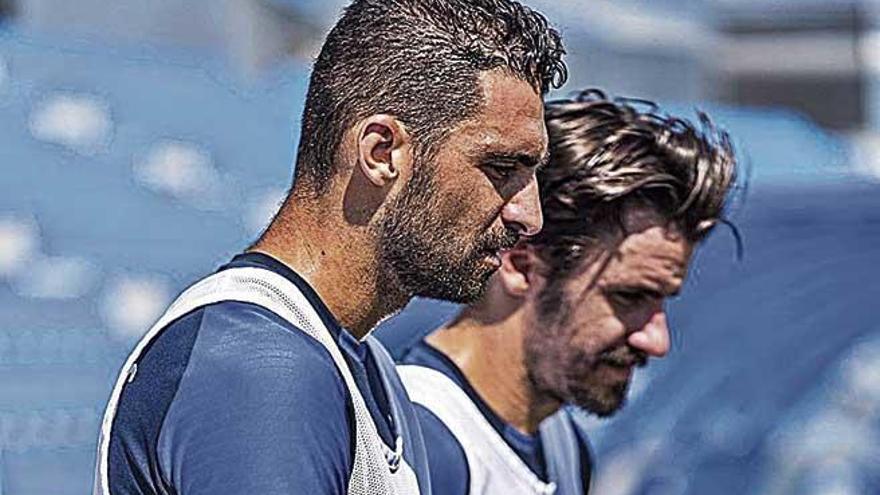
(473,196)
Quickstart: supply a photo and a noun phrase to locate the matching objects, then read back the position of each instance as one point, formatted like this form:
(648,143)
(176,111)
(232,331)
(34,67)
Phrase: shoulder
(248,356)
(261,408)
(258,405)
(420,353)
(234,348)
(247,341)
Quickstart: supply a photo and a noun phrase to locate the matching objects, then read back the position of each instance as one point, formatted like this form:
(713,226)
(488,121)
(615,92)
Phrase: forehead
(511,119)
(653,252)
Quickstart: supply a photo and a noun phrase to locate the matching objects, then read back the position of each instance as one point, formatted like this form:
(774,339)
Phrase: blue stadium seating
(57,359)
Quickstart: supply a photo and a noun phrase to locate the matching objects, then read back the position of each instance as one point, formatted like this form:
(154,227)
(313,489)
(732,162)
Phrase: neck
(337,260)
(489,351)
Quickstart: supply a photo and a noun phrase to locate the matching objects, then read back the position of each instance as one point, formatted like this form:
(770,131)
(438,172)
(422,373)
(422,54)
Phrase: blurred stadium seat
(100,148)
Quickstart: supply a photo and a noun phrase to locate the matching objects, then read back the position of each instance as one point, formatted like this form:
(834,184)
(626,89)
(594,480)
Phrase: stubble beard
(556,368)
(427,255)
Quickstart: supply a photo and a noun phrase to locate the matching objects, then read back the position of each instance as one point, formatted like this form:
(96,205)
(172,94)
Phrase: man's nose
(523,211)
(653,338)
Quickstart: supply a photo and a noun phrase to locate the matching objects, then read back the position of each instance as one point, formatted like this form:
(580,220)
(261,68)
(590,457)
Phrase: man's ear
(384,149)
(519,270)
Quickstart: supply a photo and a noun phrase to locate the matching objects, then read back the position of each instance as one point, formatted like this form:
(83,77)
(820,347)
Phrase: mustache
(624,356)
(498,240)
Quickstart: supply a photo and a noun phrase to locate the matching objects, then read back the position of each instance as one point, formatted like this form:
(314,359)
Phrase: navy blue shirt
(449,467)
(233,399)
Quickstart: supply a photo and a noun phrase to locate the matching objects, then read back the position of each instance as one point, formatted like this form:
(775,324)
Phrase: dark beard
(555,367)
(428,257)
(601,399)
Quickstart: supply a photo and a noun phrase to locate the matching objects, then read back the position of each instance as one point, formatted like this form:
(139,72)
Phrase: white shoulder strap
(280,296)
(494,466)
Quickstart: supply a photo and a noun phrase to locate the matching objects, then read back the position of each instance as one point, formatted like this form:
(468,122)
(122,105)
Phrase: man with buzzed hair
(422,131)
(628,195)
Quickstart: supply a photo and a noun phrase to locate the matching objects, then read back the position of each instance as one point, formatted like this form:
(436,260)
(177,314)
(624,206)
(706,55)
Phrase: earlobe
(516,271)
(383,147)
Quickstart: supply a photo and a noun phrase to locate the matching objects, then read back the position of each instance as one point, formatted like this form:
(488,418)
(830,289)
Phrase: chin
(460,291)
(467,286)
(604,404)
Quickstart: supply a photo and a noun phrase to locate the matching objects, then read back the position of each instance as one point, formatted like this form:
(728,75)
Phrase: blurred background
(142,144)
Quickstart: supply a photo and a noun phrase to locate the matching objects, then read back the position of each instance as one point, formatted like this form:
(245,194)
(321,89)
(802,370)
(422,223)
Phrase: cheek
(467,197)
(571,332)
(547,340)
(596,327)
(560,349)
(477,207)
(548,359)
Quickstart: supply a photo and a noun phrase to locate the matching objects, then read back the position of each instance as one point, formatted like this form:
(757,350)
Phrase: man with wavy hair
(422,131)
(628,195)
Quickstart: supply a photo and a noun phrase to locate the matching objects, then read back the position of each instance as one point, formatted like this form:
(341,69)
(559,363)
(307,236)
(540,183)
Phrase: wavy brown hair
(607,154)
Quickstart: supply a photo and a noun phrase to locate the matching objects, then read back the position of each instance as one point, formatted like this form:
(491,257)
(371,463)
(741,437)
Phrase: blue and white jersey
(473,451)
(231,397)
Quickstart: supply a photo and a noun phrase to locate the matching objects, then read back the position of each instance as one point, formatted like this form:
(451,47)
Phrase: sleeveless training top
(377,469)
(494,467)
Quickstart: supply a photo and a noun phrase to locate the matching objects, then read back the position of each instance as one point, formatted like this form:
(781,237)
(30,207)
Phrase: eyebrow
(657,291)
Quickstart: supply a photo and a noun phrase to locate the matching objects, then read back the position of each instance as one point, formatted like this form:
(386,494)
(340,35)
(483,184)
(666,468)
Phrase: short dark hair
(418,60)
(607,154)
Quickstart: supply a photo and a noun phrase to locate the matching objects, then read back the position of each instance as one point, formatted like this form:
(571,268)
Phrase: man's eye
(500,171)
(503,172)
